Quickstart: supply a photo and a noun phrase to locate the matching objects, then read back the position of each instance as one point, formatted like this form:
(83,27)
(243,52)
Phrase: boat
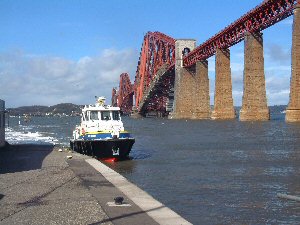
(101,133)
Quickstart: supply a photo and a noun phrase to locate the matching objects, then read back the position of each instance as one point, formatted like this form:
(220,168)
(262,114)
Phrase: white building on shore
(2,123)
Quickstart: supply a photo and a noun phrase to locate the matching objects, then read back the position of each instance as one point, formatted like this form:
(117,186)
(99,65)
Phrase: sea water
(209,172)
(40,130)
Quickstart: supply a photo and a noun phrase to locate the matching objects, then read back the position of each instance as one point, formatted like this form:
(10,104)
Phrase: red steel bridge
(154,78)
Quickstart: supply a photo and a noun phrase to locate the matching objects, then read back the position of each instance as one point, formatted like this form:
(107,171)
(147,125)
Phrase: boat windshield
(94,115)
(108,115)
(105,115)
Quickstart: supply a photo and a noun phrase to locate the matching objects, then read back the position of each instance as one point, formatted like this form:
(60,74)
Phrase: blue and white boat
(101,133)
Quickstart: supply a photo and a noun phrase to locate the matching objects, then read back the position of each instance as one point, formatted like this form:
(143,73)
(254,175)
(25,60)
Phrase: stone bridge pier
(191,88)
(254,105)
(293,109)
(223,102)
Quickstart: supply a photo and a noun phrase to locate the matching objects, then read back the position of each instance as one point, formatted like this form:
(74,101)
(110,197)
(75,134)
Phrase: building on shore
(2,123)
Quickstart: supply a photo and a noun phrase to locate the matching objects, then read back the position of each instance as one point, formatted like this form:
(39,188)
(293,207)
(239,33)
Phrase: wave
(26,137)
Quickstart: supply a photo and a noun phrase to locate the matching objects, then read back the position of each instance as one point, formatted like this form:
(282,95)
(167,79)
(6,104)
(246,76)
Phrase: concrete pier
(293,109)
(223,102)
(40,185)
(254,105)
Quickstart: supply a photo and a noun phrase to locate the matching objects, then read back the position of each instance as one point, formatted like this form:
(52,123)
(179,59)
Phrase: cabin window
(105,115)
(94,115)
(115,115)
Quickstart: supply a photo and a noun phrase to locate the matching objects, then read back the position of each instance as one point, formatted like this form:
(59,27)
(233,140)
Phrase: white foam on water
(27,137)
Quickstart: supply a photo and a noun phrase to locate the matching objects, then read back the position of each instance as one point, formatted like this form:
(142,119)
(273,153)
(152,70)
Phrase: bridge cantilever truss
(155,71)
(124,96)
(157,50)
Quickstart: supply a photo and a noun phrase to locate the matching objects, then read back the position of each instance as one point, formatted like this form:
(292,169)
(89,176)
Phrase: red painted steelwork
(157,50)
(125,94)
(258,19)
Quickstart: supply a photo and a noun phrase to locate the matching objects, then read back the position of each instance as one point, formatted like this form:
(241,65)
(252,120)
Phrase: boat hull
(108,148)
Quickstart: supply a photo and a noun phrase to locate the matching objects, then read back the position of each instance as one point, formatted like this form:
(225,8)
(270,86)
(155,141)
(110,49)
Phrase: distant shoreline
(63,109)
(69,109)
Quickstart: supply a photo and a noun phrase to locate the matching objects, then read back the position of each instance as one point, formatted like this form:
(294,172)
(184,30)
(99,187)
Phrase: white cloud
(44,80)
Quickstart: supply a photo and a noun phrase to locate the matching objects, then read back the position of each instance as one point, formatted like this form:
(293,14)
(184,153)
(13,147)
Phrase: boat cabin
(101,114)
(101,118)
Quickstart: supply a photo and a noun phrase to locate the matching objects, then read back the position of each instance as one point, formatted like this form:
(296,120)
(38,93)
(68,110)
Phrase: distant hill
(38,110)
(73,110)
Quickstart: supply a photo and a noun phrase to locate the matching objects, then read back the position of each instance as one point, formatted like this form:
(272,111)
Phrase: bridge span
(172,74)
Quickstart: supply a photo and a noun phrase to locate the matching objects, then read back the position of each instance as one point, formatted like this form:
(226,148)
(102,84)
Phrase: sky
(69,51)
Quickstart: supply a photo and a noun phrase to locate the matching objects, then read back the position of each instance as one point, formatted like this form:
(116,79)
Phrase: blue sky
(69,51)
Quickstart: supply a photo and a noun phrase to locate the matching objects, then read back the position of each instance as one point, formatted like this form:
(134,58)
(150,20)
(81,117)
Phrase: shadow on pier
(23,157)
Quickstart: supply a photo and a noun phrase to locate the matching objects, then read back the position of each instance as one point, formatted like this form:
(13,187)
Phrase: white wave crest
(25,137)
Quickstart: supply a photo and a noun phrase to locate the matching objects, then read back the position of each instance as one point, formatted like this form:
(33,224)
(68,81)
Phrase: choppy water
(209,172)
